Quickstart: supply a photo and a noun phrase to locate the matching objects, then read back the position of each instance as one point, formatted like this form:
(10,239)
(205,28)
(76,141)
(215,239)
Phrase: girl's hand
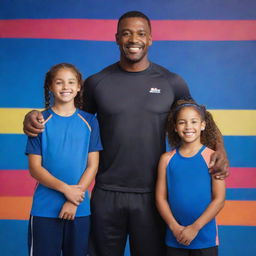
(68,211)
(74,194)
(177,230)
(188,234)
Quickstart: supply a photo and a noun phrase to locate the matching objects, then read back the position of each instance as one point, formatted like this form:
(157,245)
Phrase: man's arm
(219,164)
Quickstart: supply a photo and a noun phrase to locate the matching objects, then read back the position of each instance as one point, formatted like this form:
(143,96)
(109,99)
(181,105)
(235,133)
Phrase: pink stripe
(20,183)
(104,30)
(242,178)
(16,183)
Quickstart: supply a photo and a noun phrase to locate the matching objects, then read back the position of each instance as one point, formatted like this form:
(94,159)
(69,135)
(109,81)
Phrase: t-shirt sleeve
(34,145)
(95,141)
(181,89)
(89,104)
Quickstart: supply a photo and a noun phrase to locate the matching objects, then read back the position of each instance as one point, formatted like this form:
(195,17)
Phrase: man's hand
(33,123)
(219,165)
(68,211)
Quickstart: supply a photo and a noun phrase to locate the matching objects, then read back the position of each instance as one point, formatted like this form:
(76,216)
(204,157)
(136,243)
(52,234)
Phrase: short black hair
(134,14)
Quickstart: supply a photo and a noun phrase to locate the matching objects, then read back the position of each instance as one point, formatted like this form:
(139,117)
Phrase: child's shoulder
(167,156)
(46,113)
(87,117)
(206,154)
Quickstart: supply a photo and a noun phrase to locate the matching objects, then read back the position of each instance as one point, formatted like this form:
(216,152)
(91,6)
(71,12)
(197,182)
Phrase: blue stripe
(13,237)
(13,147)
(237,241)
(215,71)
(241,150)
(241,194)
(175,9)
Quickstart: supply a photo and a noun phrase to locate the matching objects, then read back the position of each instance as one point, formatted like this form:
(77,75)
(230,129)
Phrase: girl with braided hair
(64,161)
(187,196)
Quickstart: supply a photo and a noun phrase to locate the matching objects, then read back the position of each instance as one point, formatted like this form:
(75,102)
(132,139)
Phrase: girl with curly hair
(187,196)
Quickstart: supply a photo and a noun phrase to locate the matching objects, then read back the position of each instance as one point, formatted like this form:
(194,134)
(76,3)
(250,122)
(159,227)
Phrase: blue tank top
(189,194)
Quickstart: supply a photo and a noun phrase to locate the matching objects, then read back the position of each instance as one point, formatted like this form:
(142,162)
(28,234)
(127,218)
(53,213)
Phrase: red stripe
(16,183)
(242,178)
(20,183)
(104,30)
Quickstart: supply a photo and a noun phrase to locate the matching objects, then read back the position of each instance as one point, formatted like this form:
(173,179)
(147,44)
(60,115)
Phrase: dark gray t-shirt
(132,109)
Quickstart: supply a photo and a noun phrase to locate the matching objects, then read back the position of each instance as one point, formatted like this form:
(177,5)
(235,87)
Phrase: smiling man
(132,99)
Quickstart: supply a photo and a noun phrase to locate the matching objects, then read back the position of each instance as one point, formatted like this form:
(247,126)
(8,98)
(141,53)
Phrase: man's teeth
(134,49)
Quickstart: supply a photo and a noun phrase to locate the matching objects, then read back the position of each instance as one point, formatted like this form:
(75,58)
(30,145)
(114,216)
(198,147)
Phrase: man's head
(134,37)
(134,14)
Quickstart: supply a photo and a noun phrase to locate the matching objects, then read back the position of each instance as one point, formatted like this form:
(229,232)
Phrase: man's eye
(126,34)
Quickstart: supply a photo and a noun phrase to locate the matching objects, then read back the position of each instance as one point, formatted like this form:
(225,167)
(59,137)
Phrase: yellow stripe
(11,120)
(230,122)
(236,122)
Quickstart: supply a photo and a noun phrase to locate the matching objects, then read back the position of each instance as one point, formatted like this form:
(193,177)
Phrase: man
(132,99)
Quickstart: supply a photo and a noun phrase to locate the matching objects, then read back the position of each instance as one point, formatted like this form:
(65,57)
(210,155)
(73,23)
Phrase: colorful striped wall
(212,44)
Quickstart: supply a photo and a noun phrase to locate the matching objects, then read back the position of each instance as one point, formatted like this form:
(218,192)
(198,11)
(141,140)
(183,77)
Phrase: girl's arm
(68,210)
(91,170)
(217,203)
(161,198)
(72,192)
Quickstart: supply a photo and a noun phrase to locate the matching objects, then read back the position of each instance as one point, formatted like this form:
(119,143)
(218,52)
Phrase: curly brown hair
(49,79)
(208,136)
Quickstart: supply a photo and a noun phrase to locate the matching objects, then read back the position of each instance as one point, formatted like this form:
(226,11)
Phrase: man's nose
(133,38)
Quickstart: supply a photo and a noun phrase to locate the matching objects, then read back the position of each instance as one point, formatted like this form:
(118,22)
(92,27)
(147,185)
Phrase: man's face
(134,38)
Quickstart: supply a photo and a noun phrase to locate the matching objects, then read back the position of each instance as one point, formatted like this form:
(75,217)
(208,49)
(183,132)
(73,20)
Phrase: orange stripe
(239,213)
(15,208)
(235,213)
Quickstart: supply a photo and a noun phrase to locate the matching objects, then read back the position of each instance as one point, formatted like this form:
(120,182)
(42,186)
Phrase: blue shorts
(51,236)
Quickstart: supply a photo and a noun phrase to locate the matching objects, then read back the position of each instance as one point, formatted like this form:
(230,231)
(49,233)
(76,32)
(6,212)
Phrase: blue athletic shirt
(64,146)
(189,194)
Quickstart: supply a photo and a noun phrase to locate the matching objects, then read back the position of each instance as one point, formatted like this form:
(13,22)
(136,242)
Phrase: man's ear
(117,38)
(150,40)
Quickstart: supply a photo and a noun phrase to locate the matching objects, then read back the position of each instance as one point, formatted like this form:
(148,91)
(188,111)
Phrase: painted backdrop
(211,43)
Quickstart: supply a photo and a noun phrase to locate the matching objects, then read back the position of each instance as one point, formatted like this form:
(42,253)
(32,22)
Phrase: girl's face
(189,125)
(65,86)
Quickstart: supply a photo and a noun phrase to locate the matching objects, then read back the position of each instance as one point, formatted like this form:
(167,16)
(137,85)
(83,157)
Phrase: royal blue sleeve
(95,141)
(34,145)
